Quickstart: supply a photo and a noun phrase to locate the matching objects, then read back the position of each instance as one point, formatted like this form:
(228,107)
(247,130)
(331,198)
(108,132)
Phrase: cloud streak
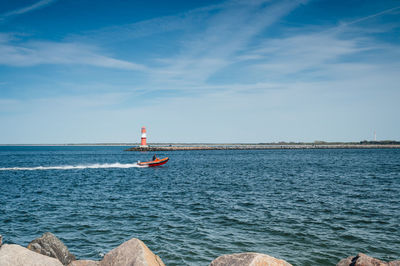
(33,53)
(230,36)
(227,43)
(224,34)
(371,16)
(20,11)
(209,38)
(178,22)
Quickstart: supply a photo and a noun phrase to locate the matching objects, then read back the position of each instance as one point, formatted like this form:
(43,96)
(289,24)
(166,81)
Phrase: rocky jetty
(365,260)
(15,255)
(248,259)
(131,252)
(262,147)
(50,251)
(49,245)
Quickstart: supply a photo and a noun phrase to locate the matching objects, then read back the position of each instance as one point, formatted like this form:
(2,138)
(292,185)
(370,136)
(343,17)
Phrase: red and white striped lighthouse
(143,140)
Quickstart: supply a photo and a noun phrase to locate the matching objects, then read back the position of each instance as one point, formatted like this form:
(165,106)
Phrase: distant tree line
(381,142)
(320,142)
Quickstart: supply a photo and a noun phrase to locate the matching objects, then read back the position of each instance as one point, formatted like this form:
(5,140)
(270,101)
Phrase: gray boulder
(49,245)
(84,263)
(248,259)
(365,260)
(15,255)
(132,252)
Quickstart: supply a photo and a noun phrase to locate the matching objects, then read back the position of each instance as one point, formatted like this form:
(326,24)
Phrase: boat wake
(74,167)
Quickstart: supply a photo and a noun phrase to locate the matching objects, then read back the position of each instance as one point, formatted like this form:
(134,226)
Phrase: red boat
(155,162)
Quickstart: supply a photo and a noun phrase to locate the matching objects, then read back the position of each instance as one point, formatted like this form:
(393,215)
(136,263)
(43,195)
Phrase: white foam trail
(72,167)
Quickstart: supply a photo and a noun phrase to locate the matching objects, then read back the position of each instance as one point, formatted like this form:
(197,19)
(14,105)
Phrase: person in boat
(154,157)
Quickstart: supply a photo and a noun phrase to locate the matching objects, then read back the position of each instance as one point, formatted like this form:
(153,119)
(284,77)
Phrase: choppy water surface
(309,207)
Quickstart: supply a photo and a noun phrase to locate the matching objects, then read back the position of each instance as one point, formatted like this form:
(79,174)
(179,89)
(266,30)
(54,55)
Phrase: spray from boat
(74,167)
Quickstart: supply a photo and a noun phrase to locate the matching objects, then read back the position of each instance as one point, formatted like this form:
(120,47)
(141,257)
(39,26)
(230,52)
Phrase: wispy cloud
(177,22)
(225,30)
(30,53)
(280,58)
(386,11)
(215,39)
(318,55)
(223,35)
(26,9)
(208,40)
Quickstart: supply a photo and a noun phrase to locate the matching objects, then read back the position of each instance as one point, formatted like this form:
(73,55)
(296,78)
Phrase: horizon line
(196,143)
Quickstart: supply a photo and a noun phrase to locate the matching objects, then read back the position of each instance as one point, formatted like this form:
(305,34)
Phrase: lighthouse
(143,142)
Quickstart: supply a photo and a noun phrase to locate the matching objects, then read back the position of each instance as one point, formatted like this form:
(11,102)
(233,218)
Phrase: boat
(155,162)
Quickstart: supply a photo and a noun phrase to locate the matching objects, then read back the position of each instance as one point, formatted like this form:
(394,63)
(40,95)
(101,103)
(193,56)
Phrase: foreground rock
(15,255)
(364,260)
(132,252)
(248,259)
(84,263)
(49,245)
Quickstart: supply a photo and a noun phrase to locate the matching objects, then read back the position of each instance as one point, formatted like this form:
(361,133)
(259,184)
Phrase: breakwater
(261,147)
(49,250)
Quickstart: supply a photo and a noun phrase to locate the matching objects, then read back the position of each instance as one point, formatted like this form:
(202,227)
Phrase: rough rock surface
(132,252)
(365,260)
(15,255)
(1,240)
(49,245)
(248,259)
(84,263)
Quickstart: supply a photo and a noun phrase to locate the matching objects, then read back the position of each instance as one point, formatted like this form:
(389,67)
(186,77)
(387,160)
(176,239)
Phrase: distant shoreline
(229,146)
(264,147)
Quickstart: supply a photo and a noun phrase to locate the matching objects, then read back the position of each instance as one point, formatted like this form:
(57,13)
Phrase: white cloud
(209,37)
(301,52)
(23,10)
(225,33)
(327,55)
(324,54)
(186,22)
(386,11)
(14,53)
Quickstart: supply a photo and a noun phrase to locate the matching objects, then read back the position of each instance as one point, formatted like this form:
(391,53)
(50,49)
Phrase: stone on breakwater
(132,252)
(248,259)
(49,245)
(15,255)
(84,263)
(365,260)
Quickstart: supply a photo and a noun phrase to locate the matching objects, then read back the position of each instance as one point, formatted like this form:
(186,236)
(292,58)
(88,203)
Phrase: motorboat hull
(156,162)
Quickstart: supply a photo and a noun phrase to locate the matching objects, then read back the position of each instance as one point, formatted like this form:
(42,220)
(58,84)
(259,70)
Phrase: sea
(308,207)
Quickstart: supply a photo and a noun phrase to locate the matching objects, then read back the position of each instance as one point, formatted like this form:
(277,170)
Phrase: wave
(73,167)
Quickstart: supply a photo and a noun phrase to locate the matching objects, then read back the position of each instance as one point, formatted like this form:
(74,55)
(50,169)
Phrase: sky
(251,71)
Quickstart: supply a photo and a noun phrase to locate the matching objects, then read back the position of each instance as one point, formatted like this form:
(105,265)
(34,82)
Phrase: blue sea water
(308,207)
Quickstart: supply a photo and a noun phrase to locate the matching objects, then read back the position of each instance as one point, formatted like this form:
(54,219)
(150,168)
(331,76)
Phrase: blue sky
(199,71)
